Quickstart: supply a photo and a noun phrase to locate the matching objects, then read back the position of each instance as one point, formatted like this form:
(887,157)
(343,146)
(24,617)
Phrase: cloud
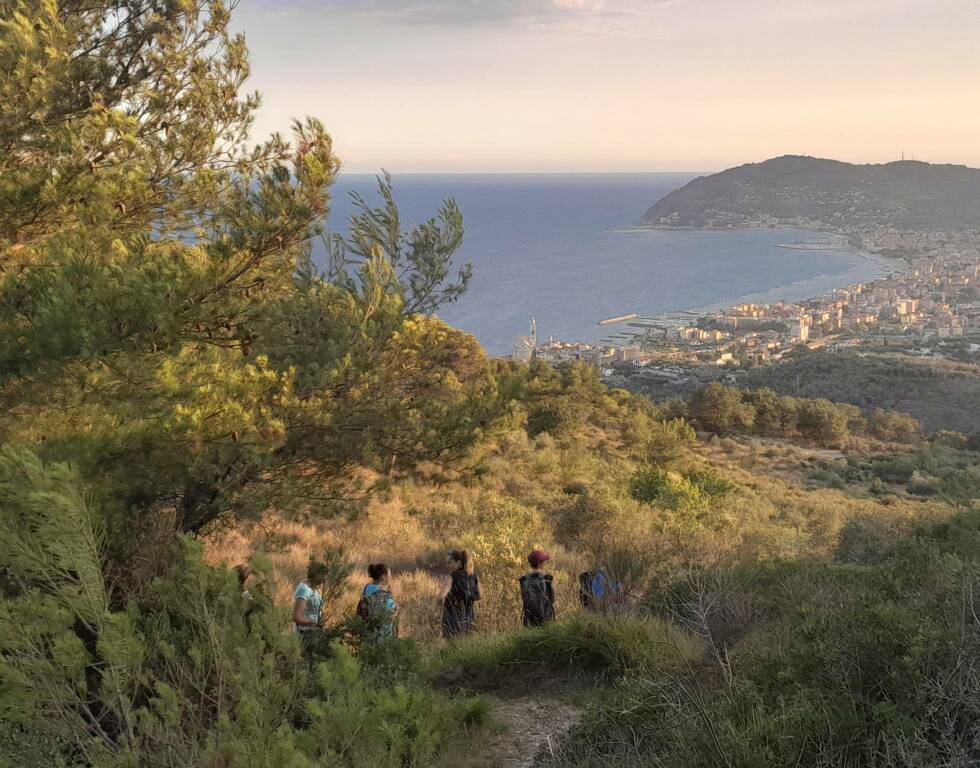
(529,13)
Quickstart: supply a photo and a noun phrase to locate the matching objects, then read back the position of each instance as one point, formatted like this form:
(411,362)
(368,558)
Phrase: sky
(619,85)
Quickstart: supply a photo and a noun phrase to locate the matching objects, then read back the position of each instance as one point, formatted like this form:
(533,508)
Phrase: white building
(526,346)
(799,328)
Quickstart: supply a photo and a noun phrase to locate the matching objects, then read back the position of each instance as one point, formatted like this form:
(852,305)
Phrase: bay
(565,249)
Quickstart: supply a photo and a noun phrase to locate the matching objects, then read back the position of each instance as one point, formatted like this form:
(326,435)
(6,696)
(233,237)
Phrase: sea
(566,250)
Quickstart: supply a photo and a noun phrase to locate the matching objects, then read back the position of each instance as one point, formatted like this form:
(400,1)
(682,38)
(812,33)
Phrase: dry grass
(388,531)
(522,503)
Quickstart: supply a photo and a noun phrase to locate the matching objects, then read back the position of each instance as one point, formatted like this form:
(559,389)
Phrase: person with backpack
(597,591)
(586,596)
(461,591)
(308,601)
(377,607)
(537,591)
(308,615)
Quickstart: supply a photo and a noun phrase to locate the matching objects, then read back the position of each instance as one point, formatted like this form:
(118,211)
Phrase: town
(934,293)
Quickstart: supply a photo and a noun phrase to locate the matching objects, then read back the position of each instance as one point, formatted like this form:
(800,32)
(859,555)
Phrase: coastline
(795,292)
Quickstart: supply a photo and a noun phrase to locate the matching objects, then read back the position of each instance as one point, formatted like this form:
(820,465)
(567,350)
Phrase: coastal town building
(526,346)
(936,294)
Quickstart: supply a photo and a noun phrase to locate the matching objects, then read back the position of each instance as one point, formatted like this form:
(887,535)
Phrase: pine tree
(162,326)
(169,355)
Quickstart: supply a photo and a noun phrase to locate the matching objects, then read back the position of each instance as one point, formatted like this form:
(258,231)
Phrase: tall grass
(580,643)
(571,497)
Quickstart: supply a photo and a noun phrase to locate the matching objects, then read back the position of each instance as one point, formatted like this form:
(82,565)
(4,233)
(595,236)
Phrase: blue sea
(565,248)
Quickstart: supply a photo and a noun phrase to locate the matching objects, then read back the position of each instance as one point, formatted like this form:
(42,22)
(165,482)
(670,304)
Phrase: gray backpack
(538,607)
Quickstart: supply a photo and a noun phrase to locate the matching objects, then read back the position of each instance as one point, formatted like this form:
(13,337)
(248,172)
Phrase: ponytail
(463,557)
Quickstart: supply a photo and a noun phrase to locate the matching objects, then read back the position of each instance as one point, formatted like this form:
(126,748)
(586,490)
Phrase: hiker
(243,572)
(537,591)
(585,594)
(461,591)
(597,591)
(252,594)
(308,610)
(377,607)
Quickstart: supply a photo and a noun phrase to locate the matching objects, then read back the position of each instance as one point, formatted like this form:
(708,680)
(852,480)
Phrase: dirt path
(532,725)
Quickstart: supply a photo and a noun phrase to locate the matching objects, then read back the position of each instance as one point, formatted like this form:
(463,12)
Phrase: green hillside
(182,392)
(941,393)
(907,195)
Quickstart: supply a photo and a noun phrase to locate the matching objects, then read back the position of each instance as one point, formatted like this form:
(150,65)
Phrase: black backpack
(466,589)
(472,589)
(585,594)
(538,607)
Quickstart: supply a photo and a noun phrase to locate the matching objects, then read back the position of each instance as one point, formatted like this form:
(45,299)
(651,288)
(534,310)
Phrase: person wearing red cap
(537,591)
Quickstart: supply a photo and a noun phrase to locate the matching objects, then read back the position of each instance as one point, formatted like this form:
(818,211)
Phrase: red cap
(537,557)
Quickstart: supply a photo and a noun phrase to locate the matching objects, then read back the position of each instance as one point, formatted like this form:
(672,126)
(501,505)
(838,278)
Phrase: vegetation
(170,358)
(182,390)
(814,664)
(727,410)
(189,671)
(930,470)
(583,644)
(904,195)
(941,394)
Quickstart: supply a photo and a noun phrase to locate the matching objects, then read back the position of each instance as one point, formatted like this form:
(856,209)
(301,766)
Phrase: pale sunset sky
(620,85)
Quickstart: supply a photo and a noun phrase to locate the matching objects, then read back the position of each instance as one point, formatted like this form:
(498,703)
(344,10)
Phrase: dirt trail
(533,725)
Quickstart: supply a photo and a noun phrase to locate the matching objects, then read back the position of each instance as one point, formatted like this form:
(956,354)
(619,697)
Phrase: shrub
(823,422)
(922,485)
(959,535)
(833,665)
(949,439)
(558,416)
(354,724)
(191,671)
(961,488)
(669,441)
(894,426)
(692,490)
(871,539)
(580,643)
(719,409)
(775,415)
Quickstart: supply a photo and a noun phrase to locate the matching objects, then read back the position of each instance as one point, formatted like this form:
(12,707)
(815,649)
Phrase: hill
(800,190)
(189,425)
(942,394)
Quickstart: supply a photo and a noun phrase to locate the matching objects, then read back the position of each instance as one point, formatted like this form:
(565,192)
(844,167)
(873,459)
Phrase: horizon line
(513,173)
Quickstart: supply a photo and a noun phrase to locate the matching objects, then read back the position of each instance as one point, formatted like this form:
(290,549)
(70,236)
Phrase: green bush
(558,416)
(579,643)
(351,723)
(719,409)
(811,664)
(669,440)
(894,426)
(949,439)
(691,490)
(189,672)
(824,422)
(870,539)
(922,485)
(959,535)
(961,488)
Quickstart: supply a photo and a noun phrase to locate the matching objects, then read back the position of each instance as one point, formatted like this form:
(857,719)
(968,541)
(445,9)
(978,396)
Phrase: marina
(618,319)
(834,244)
